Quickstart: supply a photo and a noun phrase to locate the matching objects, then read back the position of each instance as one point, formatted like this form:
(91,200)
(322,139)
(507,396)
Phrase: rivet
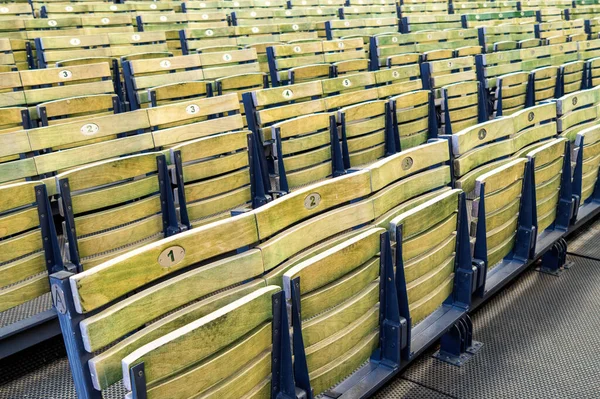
(140,373)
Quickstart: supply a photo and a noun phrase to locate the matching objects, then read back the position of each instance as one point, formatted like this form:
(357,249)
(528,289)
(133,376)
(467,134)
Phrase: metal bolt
(140,373)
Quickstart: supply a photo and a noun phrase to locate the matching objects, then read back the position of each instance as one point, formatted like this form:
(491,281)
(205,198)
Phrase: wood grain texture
(173,352)
(426,215)
(106,366)
(334,263)
(125,316)
(290,209)
(328,323)
(23,292)
(106,282)
(228,362)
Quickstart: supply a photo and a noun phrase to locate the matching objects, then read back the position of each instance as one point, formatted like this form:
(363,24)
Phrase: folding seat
(434,268)
(464,7)
(316,3)
(30,253)
(420,22)
(91,322)
(407,9)
(365,133)
(581,10)
(335,29)
(298,62)
(138,45)
(84,141)
(551,164)
(7,57)
(245,361)
(15,11)
(503,223)
(346,209)
(413,119)
(576,112)
(142,75)
(195,6)
(51,50)
(510,93)
(214,177)
(487,145)
(226,63)
(374,11)
(504,33)
(306,150)
(303,14)
(345,315)
(559,28)
(113,206)
(454,82)
(497,18)
(78,108)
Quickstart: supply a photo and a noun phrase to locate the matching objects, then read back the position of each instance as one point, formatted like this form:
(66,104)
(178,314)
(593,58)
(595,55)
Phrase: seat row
(331,247)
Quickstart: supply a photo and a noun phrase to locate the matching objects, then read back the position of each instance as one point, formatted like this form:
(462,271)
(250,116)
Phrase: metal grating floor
(541,339)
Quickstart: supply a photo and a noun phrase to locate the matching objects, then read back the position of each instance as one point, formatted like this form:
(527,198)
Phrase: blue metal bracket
(183,39)
(300,366)
(336,151)
(137,375)
(183,213)
(282,365)
(130,93)
(169,215)
(373,58)
(433,122)
(527,221)
(345,151)
(67,206)
(283,183)
(69,319)
(257,185)
(390,142)
(393,328)
(457,345)
(253,127)
(565,207)
(404,312)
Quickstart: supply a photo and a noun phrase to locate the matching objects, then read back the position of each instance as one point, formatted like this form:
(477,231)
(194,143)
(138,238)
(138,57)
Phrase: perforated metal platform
(541,337)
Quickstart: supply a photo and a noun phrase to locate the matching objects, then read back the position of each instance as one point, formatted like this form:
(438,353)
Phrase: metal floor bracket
(457,345)
(554,261)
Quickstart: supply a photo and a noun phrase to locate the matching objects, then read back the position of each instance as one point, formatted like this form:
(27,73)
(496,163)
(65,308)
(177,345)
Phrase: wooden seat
(93,331)
(413,119)
(576,112)
(214,177)
(497,18)
(336,294)
(559,28)
(420,22)
(427,254)
(585,176)
(488,145)
(141,75)
(365,132)
(113,206)
(364,11)
(549,161)
(306,149)
(335,29)
(171,24)
(38,86)
(497,211)
(246,350)
(77,108)
(15,10)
